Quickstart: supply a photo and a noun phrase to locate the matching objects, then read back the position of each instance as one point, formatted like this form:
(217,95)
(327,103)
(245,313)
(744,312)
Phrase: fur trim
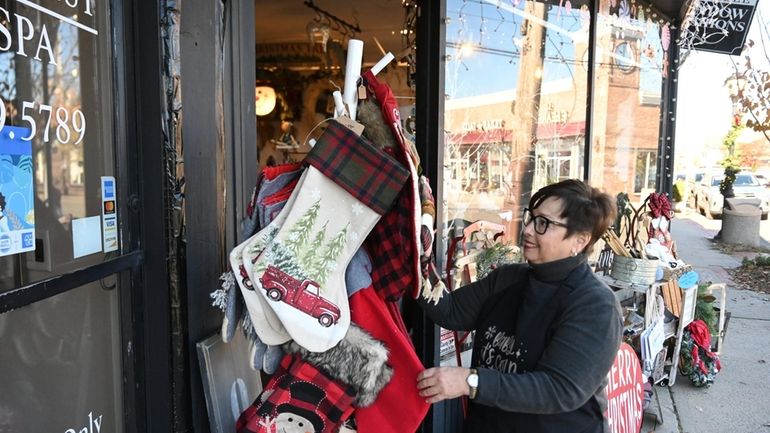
(376,130)
(359,360)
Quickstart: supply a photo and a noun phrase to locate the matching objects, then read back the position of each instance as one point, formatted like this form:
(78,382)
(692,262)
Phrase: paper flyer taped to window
(17,202)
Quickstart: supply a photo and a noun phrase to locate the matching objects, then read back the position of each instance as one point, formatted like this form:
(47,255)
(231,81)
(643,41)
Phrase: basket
(635,271)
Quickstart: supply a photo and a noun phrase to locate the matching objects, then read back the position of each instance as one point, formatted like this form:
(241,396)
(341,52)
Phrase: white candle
(382,63)
(339,106)
(352,73)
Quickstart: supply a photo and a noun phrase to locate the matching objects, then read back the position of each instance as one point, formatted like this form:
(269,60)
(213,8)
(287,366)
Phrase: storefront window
(516,88)
(631,63)
(57,138)
(644,178)
(61,364)
(61,356)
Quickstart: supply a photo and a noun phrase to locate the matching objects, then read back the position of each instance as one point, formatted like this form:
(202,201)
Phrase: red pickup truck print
(281,286)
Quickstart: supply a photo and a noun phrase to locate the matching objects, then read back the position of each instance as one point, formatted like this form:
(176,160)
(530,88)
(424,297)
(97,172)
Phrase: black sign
(721,26)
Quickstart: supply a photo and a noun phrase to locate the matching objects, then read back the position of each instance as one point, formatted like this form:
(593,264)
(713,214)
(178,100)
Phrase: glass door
(60,313)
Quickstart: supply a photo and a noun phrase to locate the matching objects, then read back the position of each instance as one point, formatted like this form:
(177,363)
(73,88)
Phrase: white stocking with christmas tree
(268,327)
(348,185)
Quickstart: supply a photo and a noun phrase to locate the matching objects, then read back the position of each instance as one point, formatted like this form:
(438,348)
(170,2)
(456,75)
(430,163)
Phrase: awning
(477,137)
(555,130)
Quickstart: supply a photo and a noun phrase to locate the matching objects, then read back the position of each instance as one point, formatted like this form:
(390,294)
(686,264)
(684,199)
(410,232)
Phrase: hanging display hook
(337,22)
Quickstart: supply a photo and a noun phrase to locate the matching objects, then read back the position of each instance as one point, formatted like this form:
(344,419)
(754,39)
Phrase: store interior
(300,59)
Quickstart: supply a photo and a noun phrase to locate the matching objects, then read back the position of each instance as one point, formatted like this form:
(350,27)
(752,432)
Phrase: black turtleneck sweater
(546,336)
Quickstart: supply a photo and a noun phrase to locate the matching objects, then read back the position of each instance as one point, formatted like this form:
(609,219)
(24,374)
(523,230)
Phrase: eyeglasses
(541,222)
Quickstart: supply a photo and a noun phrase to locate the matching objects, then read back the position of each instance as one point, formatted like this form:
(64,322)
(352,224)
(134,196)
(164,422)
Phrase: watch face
(624,57)
(473,380)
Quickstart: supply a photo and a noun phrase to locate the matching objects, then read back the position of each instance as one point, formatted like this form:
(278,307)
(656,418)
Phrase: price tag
(351,124)
(361,92)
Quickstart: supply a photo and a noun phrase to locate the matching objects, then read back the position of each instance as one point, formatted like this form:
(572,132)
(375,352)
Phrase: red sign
(625,392)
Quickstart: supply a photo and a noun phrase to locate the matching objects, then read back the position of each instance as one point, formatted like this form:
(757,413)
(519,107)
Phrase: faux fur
(376,130)
(359,360)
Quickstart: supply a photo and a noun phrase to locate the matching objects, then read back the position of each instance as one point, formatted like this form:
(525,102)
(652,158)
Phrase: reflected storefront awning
(476,137)
(544,132)
(557,130)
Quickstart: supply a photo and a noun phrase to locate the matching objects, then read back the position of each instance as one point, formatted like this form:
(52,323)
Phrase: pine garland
(495,256)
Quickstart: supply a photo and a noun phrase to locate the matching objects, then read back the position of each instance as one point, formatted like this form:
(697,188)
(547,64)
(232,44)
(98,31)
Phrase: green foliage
(731,162)
(704,307)
(760,261)
(495,256)
(679,189)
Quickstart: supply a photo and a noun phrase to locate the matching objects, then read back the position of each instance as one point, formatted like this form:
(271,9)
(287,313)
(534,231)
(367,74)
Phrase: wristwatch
(473,383)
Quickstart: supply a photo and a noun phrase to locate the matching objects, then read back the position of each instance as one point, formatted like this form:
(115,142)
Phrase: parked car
(763,180)
(693,184)
(709,201)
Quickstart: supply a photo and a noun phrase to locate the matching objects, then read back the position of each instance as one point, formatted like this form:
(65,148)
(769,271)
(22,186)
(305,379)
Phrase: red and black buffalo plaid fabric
(350,161)
(392,246)
(298,397)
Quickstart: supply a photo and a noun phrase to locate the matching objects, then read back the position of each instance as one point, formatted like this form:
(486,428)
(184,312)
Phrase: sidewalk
(739,400)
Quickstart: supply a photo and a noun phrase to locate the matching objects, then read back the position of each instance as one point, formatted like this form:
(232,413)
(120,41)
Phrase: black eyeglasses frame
(528,217)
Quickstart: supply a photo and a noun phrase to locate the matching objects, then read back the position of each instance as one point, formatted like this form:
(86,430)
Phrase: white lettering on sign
(94,425)
(21,33)
(624,392)
(18,34)
(69,127)
(484,125)
(724,19)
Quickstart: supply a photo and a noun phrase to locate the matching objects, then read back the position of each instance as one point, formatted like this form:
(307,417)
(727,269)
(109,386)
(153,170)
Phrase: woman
(547,332)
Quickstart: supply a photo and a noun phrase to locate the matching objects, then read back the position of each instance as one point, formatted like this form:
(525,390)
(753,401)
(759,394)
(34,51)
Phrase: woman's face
(551,245)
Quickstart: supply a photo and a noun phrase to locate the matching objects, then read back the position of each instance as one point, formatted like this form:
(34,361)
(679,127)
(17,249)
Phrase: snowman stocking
(347,187)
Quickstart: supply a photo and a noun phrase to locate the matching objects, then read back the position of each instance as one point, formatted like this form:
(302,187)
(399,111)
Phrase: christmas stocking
(348,185)
(299,398)
(393,244)
(400,396)
(268,327)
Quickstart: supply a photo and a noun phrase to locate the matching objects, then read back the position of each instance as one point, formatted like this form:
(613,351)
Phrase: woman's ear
(581,240)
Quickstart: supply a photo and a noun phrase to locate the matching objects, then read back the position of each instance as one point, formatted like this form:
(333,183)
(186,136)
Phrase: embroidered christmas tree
(300,257)
(326,261)
(300,231)
(309,257)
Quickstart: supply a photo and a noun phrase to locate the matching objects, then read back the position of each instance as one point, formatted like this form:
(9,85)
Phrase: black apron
(513,331)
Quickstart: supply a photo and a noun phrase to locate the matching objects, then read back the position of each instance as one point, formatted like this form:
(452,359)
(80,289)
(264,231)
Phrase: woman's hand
(443,383)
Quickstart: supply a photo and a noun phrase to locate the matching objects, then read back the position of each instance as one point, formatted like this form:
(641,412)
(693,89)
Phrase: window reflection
(516,86)
(516,89)
(631,64)
(61,361)
(56,79)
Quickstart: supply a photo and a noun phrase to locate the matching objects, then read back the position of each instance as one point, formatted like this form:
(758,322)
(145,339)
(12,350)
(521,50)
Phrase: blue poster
(17,205)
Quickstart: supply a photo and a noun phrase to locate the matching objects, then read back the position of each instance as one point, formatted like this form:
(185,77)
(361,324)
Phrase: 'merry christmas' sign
(624,392)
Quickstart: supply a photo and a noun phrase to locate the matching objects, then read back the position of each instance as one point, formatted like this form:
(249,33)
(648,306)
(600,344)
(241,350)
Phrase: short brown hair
(586,209)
